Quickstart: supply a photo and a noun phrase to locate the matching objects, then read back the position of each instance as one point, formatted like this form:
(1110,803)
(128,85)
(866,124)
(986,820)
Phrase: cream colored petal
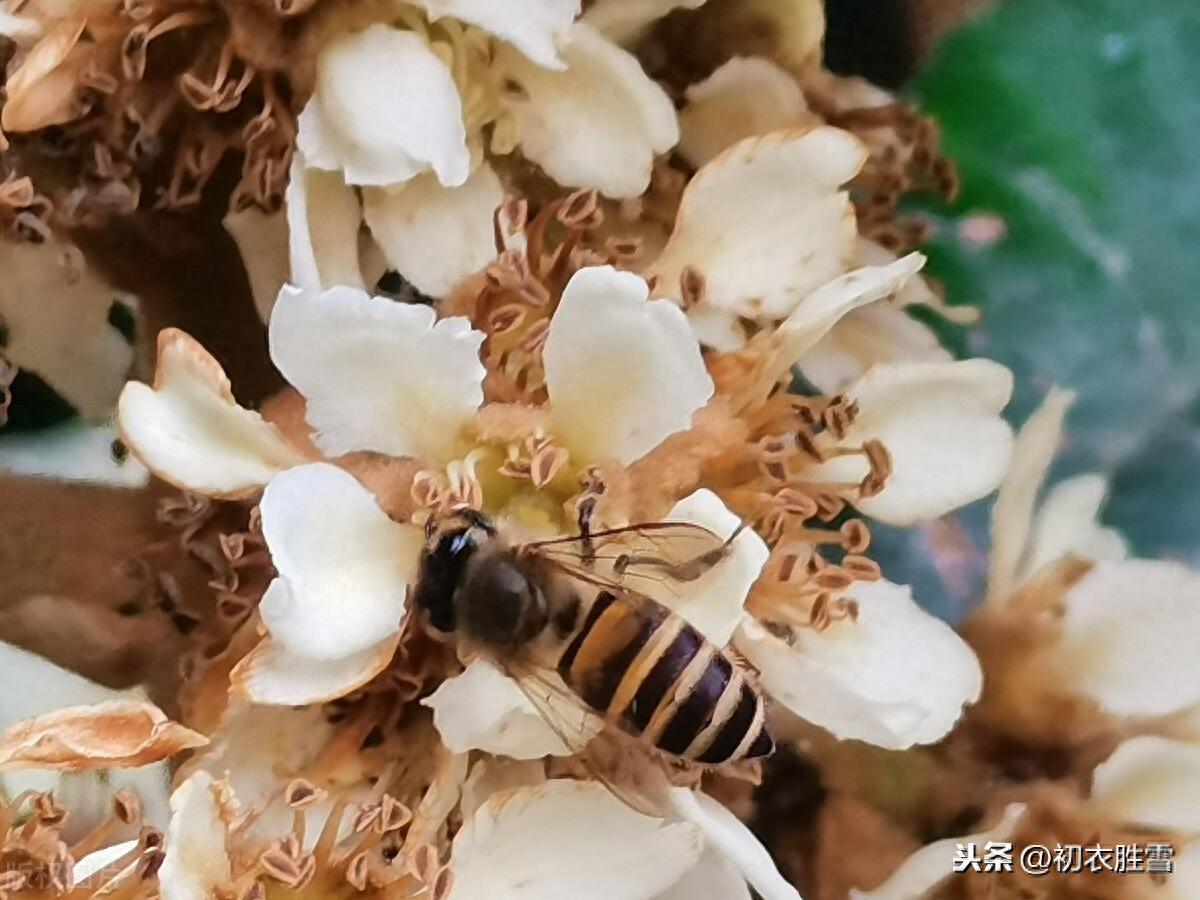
(484,709)
(928,867)
(713,878)
(197,864)
(917,291)
(622,372)
(821,311)
(1184,883)
(766,222)
(262,241)
(861,679)
(746,96)
(344,566)
(494,774)
(1150,782)
(725,834)
(866,337)
(597,124)
(55,309)
(534,27)
(258,749)
(1012,516)
(95,863)
(1129,636)
(516,847)
(272,675)
(377,374)
(713,602)
(323,224)
(942,426)
(73,451)
(116,733)
(189,431)
(385,109)
(624,20)
(1067,525)
(436,236)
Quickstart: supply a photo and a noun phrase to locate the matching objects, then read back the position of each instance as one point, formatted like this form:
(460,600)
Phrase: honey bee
(581,607)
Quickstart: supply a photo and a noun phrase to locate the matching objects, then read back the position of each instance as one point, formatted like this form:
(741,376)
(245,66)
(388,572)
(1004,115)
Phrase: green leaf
(1076,126)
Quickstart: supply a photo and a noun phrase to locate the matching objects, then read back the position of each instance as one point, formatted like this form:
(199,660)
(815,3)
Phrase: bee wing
(575,724)
(653,559)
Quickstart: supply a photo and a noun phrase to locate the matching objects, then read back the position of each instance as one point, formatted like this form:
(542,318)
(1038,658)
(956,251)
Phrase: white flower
(1126,628)
(385,109)
(389,114)
(943,431)
(745,97)
(1152,782)
(1128,636)
(924,870)
(860,678)
(766,223)
(384,376)
(599,122)
(516,845)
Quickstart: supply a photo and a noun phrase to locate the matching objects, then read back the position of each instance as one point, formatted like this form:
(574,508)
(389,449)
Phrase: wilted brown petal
(119,733)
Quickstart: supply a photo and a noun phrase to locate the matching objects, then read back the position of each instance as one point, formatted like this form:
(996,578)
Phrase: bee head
(444,562)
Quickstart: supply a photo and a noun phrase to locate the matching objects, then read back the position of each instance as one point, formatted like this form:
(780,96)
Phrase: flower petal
(323,221)
(55,310)
(726,834)
(377,374)
(766,223)
(125,733)
(532,26)
(436,236)
(1067,525)
(385,109)
(860,679)
(1129,635)
(942,428)
(875,334)
(272,675)
(1150,782)
(713,602)
(746,96)
(493,774)
(197,864)
(188,430)
(1012,516)
(262,242)
(257,749)
(598,124)
(713,878)
(344,566)
(484,709)
(516,847)
(623,21)
(72,451)
(622,373)
(820,312)
(934,863)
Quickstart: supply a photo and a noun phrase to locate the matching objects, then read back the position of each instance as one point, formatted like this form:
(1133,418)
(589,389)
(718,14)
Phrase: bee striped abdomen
(656,676)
